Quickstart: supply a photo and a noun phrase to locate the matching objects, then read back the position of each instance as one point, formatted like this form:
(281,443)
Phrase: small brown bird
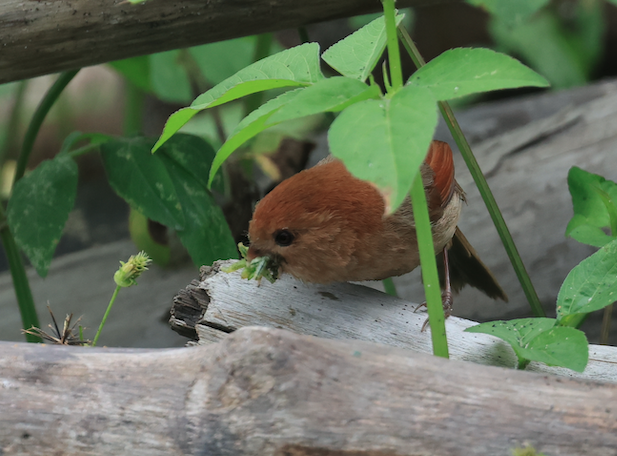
(325,225)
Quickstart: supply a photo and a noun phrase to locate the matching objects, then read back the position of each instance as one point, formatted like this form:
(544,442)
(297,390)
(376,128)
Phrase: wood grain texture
(271,392)
(348,311)
(43,37)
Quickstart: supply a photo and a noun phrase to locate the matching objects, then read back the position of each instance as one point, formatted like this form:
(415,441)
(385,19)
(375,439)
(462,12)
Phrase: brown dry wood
(43,37)
(271,392)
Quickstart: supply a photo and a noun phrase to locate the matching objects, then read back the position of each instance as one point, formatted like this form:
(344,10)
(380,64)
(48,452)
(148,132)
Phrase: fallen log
(271,392)
(222,303)
(46,37)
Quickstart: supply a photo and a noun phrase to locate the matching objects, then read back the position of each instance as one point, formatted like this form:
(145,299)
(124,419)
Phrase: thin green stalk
(394,56)
(37,120)
(430,277)
(111,303)
(21,285)
(432,289)
(485,191)
(13,124)
(262,50)
(389,287)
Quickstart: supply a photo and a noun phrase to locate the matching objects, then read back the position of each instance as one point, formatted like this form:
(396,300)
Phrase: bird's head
(313,224)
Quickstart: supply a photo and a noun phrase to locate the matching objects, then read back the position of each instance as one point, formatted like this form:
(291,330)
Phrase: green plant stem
(12,126)
(37,120)
(21,285)
(394,56)
(485,191)
(432,289)
(389,287)
(111,303)
(262,50)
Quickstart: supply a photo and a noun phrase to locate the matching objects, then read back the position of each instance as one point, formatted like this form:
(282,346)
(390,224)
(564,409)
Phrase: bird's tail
(466,268)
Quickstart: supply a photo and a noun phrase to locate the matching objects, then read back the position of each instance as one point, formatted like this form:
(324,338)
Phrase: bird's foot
(447,301)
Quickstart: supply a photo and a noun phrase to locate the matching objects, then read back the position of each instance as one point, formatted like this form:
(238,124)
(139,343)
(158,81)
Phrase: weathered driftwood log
(222,303)
(43,37)
(271,392)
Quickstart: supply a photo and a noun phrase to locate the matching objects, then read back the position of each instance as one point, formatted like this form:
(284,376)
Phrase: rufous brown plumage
(325,225)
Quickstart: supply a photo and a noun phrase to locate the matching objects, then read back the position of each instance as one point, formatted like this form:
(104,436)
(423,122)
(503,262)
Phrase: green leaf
(206,234)
(170,80)
(142,180)
(217,61)
(538,339)
(560,346)
(298,66)
(385,141)
(590,285)
(558,58)
(579,229)
(511,12)
(328,95)
(250,126)
(356,55)
(193,154)
(77,136)
(593,200)
(39,208)
(464,71)
(136,70)
(517,333)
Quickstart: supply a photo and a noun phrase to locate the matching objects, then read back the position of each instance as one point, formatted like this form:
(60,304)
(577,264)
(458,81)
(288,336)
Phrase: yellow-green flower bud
(132,269)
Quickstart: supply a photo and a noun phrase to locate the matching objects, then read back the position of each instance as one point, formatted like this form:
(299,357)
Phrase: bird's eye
(283,238)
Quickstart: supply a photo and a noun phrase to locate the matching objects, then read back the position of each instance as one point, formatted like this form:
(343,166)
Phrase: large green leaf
(295,67)
(590,285)
(250,126)
(170,80)
(464,71)
(560,58)
(142,180)
(206,234)
(593,200)
(356,55)
(328,95)
(538,339)
(217,61)
(136,70)
(39,208)
(385,141)
(331,94)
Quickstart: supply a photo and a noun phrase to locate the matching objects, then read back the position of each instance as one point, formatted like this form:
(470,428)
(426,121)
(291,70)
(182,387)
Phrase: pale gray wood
(43,37)
(271,392)
(351,311)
